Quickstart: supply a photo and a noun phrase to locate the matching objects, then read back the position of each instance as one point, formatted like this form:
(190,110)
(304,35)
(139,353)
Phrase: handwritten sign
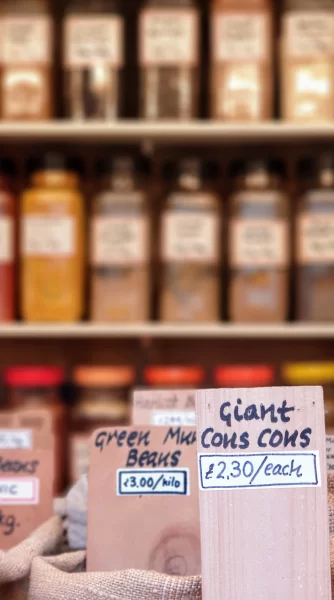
(26,479)
(143,510)
(164,407)
(263,498)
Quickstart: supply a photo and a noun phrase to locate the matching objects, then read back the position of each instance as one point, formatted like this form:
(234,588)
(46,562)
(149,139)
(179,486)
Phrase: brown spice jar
(169,59)
(258,246)
(120,244)
(190,248)
(26,78)
(315,241)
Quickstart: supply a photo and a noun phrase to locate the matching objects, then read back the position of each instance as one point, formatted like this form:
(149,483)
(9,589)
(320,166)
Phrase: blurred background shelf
(165,331)
(164,132)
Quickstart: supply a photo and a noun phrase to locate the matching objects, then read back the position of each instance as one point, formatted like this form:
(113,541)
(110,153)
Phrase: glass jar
(174,376)
(315,241)
(120,245)
(240,376)
(317,373)
(93,59)
(38,387)
(259,245)
(169,43)
(7,243)
(241,56)
(52,245)
(102,400)
(27,48)
(190,247)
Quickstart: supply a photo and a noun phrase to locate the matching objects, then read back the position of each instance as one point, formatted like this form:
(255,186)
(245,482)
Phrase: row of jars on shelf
(191,246)
(103,397)
(169,57)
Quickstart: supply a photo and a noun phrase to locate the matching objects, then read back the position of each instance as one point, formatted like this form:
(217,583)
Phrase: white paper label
(150,482)
(330,454)
(79,452)
(48,236)
(19,491)
(6,239)
(239,37)
(310,34)
(256,243)
(120,240)
(315,239)
(173,417)
(94,40)
(169,37)
(26,40)
(11,439)
(259,470)
(190,236)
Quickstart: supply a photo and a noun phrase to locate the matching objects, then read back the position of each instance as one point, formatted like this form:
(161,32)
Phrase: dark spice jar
(169,59)
(315,241)
(93,59)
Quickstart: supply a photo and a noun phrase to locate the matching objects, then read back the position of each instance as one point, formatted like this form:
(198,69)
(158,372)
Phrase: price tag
(140,475)
(263,486)
(163,407)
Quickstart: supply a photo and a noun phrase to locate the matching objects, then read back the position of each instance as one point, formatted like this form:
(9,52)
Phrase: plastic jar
(239,376)
(27,49)
(52,244)
(8,211)
(38,387)
(102,400)
(93,58)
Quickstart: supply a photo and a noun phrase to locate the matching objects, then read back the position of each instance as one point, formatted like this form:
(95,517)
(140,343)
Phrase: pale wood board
(266,543)
(149,403)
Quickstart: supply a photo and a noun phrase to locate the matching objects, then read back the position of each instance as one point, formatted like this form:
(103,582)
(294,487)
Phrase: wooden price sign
(164,407)
(143,510)
(263,494)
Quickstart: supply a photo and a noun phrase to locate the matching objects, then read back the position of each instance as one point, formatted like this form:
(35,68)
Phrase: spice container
(120,245)
(93,59)
(307,48)
(229,376)
(190,248)
(317,373)
(7,243)
(27,47)
(38,387)
(174,376)
(241,57)
(259,245)
(102,400)
(315,241)
(169,59)
(52,252)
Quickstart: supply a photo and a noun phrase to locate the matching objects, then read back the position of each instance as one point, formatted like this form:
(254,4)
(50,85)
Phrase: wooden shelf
(129,131)
(157,330)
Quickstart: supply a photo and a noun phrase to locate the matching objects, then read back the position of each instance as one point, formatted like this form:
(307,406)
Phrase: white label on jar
(79,455)
(168,37)
(120,240)
(330,454)
(48,236)
(6,239)
(26,40)
(310,34)
(259,243)
(315,239)
(190,236)
(239,37)
(93,40)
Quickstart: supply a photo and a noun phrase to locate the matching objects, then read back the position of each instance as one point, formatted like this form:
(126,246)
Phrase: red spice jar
(38,387)
(7,243)
(243,376)
(174,376)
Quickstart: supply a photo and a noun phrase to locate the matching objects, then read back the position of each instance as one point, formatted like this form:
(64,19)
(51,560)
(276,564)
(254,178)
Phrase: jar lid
(244,375)
(308,373)
(173,375)
(34,376)
(116,376)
